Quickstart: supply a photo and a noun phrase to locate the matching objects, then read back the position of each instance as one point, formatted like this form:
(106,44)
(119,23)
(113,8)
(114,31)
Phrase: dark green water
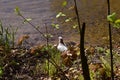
(93,13)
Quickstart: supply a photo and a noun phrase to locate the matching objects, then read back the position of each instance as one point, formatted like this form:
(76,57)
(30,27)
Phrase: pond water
(38,10)
(92,12)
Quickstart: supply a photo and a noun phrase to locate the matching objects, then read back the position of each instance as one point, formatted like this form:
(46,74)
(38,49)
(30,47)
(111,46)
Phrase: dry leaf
(21,39)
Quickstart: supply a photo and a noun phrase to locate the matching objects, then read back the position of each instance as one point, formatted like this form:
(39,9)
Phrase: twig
(47,44)
(110,42)
(85,68)
(47,37)
(78,21)
(52,61)
(77,14)
(32,25)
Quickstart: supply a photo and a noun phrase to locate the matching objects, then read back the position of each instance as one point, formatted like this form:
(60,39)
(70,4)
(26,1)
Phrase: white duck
(61,46)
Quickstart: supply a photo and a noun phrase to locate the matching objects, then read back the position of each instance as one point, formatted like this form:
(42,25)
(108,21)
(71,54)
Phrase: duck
(61,45)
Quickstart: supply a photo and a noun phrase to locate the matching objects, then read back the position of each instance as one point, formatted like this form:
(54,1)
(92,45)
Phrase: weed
(7,37)
(1,71)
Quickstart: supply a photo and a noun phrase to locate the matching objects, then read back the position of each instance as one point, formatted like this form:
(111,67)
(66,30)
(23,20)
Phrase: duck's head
(60,37)
(60,40)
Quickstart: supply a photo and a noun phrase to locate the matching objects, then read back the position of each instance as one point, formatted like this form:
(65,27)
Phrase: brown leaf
(36,49)
(21,39)
(67,61)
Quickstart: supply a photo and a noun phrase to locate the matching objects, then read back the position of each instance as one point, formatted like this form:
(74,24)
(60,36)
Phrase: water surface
(92,12)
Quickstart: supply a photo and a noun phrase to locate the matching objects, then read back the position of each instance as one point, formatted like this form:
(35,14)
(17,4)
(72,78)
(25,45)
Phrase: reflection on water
(93,13)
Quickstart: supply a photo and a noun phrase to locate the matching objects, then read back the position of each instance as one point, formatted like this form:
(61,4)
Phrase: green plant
(7,37)
(1,34)
(113,20)
(54,58)
(64,17)
(51,68)
(106,62)
(52,65)
(106,66)
(1,71)
(12,32)
(55,25)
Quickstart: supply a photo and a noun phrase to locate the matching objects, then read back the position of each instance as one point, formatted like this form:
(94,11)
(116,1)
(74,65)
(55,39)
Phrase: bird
(61,45)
